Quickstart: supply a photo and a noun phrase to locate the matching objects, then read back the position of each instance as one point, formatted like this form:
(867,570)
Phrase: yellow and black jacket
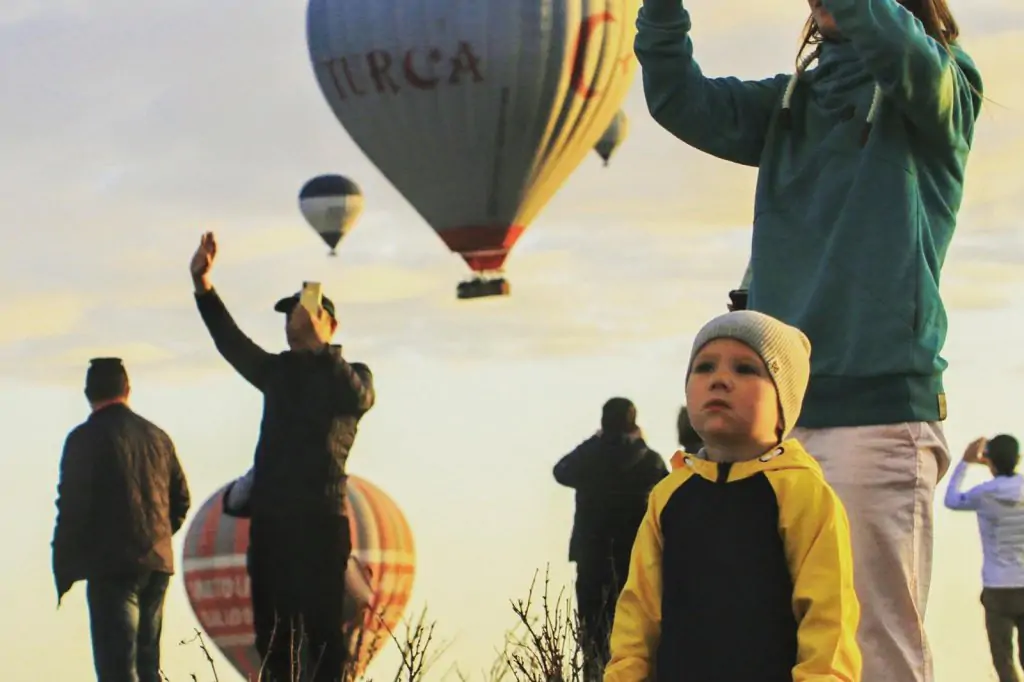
(740,573)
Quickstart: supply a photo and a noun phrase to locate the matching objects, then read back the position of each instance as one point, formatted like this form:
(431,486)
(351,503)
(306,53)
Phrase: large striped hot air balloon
(477,112)
(331,204)
(613,137)
(218,585)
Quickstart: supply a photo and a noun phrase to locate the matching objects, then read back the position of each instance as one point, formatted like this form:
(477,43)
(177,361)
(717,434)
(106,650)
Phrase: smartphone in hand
(738,299)
(311,297)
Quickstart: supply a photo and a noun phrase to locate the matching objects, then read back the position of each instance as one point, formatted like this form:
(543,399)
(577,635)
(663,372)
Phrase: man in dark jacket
(299,537)
(122,495)
(613,473)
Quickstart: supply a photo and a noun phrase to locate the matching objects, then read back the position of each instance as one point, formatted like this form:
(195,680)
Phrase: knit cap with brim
(785,351)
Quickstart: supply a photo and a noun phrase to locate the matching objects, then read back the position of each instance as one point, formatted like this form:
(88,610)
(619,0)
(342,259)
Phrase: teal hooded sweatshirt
(858,188)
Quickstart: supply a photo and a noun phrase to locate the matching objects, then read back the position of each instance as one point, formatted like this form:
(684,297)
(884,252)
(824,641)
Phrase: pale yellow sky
(103,208)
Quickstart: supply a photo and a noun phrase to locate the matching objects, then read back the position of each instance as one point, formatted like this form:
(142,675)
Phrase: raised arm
(248,359)
(568,469)
(914,70)
(725,117)
(964,501)
(241,352)
(816,533)
(636,628)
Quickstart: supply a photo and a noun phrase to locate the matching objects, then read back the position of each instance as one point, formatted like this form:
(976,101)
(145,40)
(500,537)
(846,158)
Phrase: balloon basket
(483,287)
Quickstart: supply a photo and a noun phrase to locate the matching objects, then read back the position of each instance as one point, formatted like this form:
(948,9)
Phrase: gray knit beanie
(785,350)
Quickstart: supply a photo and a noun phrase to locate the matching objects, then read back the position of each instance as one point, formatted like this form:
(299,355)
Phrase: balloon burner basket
(483,287)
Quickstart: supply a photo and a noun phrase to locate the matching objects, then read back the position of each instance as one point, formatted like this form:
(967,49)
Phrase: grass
(543,646)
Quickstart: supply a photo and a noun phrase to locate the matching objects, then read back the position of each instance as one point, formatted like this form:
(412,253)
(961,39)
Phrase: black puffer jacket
(122,495)
(312,404)
(613,475)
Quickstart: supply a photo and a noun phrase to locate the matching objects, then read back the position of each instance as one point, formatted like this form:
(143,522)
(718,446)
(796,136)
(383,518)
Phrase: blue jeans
(125,617)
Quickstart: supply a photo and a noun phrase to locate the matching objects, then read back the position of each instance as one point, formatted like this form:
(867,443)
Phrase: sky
(130,129)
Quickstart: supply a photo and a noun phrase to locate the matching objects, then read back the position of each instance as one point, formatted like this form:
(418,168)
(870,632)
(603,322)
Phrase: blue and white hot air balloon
(331,205)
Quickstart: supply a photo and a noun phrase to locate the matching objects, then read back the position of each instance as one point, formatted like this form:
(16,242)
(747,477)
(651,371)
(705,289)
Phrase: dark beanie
(105,379)
(618,416)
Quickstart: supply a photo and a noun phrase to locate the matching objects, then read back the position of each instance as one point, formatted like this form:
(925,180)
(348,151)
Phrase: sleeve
(658,469)
(725,117)
(960,501)
(354,383)
(239,350)
(636,628)
(74,507)
(567,470)
(816,533)
(913,69)
(237,494)
(179,494)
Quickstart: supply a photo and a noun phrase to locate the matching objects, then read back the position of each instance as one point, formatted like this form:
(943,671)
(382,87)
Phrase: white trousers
(886,477)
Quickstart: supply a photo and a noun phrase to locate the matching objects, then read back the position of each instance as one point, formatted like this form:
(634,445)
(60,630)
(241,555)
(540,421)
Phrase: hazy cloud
(133,128)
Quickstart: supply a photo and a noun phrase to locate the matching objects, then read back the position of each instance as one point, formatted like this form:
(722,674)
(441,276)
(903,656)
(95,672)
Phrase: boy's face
(730,395)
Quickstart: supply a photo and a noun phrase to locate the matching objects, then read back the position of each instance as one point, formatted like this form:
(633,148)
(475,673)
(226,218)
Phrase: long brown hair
(934,15)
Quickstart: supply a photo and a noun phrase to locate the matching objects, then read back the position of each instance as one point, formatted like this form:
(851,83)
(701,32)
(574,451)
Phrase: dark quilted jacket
(121,496)
(312,404)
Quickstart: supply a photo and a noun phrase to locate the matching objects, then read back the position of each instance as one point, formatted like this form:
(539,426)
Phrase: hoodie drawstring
(786,117)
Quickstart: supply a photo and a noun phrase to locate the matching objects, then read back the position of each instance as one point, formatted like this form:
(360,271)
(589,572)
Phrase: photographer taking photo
(299,537)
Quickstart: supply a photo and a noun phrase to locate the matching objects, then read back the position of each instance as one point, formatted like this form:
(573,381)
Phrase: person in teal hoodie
(861,164)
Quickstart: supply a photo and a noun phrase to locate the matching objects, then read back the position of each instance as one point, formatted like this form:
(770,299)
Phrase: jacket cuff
(663,11)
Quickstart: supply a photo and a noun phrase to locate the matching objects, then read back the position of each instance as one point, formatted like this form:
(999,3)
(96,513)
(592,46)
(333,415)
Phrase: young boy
(741,570)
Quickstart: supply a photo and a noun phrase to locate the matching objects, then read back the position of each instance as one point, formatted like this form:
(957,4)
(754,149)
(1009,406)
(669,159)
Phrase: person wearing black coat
(122,495)
(299,534)
(612,473)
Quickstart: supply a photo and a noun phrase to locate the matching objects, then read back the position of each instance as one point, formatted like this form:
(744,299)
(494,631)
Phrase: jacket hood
(789,454)
(616,452)
(840,70)
(1006,490)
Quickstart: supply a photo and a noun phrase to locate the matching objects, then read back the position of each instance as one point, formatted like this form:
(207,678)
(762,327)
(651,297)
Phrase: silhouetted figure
(299,536)
(122,496)
(999,504)
(612,472)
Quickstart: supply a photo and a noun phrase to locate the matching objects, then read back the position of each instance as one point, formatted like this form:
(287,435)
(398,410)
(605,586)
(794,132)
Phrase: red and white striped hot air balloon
(217,582)
(477,112)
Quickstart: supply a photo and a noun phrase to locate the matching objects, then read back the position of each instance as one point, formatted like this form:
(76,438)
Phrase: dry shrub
(543,646)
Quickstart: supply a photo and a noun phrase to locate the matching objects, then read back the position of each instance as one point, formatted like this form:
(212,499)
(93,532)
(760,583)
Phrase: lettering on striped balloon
(386,72)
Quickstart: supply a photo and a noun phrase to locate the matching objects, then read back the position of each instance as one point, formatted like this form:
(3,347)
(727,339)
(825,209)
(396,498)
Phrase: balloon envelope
(477,112)
(331,204)
(217,582)
(613,136)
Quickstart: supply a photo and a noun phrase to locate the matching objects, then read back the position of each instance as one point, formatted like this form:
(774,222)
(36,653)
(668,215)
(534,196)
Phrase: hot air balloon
(613,136)
(477,112)
(331,205)
(383,556)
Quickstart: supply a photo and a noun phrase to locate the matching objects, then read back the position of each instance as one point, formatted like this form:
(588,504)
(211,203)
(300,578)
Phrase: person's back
(122,496)
(135,518)
(612,473)
(999,504)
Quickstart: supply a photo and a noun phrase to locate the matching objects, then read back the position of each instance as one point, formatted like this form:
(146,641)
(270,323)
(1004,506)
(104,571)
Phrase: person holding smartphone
(299,535)
(861,165)
(999,505)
